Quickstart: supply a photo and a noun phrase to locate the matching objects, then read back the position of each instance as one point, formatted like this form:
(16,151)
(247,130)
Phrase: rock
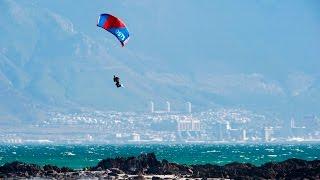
(49,167)
(113,174)
(116,170)
(75,174)
(148,164)
(50,172)
(3,176)
(143,164)
(139,177)
(156,178)
(125,176)
(19,167)
(66,169)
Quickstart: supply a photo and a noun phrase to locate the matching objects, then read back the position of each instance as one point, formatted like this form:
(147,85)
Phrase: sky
(269,37)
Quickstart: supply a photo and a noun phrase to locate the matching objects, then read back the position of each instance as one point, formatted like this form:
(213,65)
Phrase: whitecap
(299,150)
(270,150)
(212,151)
(272,155)
(69,154)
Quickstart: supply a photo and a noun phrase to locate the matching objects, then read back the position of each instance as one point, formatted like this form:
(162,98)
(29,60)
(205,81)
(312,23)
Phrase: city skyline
(212,126)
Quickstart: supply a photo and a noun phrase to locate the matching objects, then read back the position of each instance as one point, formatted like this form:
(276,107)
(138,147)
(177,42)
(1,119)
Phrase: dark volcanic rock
(289,169)
(139,177)
(116,170)
(148,164)
(113,174)
(156,178)
(20,169)
(143,164)
(51,168)
(173,168)
(66,169)
(17,167)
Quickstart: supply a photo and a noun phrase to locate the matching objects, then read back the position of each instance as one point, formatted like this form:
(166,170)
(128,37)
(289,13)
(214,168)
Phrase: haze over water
(80,156)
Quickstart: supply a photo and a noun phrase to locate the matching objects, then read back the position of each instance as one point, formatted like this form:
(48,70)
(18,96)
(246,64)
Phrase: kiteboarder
(117,81)
(116,27)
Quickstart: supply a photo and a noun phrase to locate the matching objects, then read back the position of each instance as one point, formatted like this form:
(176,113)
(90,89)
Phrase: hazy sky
(208,51)
(249,36)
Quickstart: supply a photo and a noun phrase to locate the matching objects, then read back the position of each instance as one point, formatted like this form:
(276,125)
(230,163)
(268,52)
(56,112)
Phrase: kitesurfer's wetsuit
(117,81)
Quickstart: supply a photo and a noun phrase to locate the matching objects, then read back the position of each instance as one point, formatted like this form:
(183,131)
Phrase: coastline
(147,166)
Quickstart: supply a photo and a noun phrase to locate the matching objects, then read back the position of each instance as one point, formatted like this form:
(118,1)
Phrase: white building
(187,123)
(244,135)
(268,132)
(152,107)
(168,107)
(189,107)
(136,137)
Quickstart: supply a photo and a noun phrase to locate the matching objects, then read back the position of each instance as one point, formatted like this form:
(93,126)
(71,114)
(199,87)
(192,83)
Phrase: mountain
(55,58)
(45,61)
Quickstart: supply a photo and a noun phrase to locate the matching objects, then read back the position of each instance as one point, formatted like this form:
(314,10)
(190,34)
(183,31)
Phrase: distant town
(165,126)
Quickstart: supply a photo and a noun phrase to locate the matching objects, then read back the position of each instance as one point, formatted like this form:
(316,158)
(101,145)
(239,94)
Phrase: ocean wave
(299,150)
(211,151)
(272,155)
(270,150)
(69,154)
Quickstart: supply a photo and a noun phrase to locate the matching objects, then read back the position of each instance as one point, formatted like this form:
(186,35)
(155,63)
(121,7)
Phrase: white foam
(272,155)
(270,150)
(69,154)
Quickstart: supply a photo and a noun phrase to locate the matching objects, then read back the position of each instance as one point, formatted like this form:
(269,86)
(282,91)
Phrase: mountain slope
(47,62)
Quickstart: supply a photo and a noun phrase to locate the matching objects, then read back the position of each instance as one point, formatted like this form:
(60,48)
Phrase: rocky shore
(146,166)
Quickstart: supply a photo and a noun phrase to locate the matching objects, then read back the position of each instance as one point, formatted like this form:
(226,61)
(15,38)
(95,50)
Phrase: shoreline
(147,166)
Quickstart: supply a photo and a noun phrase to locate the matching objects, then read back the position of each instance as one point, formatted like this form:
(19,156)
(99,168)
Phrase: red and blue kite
(115,26)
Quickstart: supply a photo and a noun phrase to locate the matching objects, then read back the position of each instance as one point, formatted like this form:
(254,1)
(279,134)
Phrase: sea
(81,156)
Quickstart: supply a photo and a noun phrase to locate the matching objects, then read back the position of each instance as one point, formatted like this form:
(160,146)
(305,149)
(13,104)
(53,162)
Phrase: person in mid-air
(117,81)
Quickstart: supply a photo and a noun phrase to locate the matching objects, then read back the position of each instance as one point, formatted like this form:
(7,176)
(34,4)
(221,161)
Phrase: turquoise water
(79,156)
